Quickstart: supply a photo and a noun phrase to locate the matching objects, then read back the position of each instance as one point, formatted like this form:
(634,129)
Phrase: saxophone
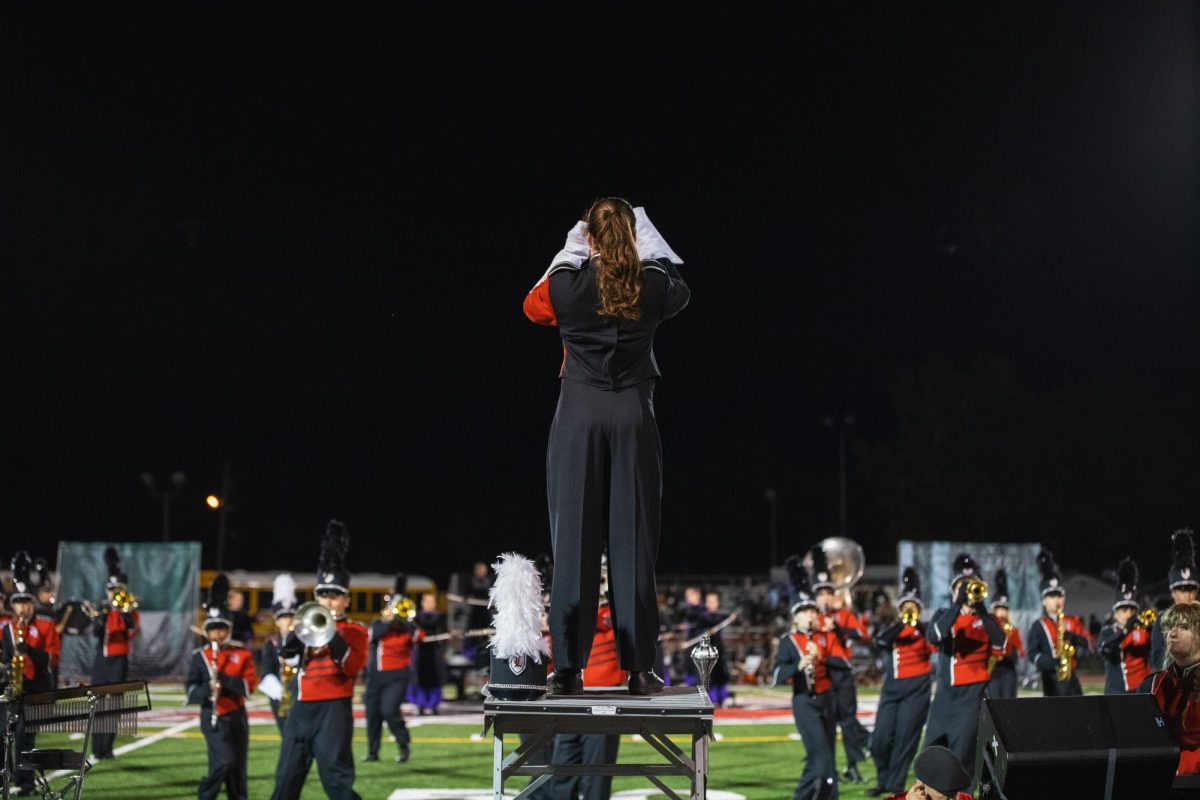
(994,659)
(16,676)
(1064,651)
(287,673)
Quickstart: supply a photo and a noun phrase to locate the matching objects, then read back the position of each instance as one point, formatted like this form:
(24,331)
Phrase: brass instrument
(214,682)
(401,606)
(16,675)
(315,625)
(977,591)
(910,616)
(124,600)
(1064,651)
(287,673)
(810,669)
(994,659)
(845,559)
(1146,618)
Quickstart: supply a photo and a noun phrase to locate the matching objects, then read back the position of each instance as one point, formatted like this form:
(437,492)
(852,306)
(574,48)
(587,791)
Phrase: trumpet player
(967,638)
(1125,643)
(220,677)
(279,687)
(389,670)
(1181,579)
(115,627)
(904,698)
(1003,681)
(800,661)
(30,650)
(1056,640)
(321,722)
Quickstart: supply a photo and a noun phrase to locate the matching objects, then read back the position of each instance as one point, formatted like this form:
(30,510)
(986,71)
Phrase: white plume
(517,597)
(284,590)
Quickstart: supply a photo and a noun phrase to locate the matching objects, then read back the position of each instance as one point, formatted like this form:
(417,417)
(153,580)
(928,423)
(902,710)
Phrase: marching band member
(1003,682)
(321,721)
(220,677)
(940,776)
(842,625)
(283,609)
(389,669)
(1125,643)
(1181,579)
(800,661)
(115,628)
(904,698)
(1059,678)
(426,691)
(966,637)
(1177,686)
(604,460)
(32,642)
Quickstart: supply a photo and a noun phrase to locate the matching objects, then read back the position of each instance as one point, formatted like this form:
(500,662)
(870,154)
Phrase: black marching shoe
(404,754)
(561,682)
(645,682)
(852,775)
(370,757)
(876,790)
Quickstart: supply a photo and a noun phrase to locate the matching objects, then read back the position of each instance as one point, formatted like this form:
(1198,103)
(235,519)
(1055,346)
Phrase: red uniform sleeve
(1017,643)
(356,653)
(537,304)
(249,674)
(53,643)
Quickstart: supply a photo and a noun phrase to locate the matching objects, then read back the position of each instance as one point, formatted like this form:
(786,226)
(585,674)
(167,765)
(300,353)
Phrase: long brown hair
(611,224)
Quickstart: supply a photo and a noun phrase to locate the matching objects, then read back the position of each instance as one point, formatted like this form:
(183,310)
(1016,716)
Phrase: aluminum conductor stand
(677,710)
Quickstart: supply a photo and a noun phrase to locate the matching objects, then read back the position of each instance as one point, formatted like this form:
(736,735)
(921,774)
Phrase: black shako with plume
(821,577)
(1000,589)
(801,589)
(216,608)
(1182,574)
(910,588)
(1050,581)
(332,575)
(22,580)
(1127,584)
(964,568)
(112,561)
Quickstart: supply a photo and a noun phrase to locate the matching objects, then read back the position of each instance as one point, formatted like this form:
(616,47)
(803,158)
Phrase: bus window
(360,601)
(301,597)
(265,597)
(376,601)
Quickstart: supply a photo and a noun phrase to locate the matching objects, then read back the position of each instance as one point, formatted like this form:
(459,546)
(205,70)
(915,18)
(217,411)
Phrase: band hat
(332,575)
(1182,574)
(1001,589)
(1050,582)
(910,588)
(216,609)
(821,577)
(1127,584)
(283,596)
(116,578)
(22,581)
(938,768)
(798,578)
(964,568)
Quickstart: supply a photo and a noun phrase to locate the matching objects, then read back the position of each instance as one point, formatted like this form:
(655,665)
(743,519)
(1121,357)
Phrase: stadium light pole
(178,479)
(841,425)
(772,499)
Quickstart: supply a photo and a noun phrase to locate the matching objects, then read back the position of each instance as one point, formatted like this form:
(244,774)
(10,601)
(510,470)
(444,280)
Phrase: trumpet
(124,600)
(977,591)
(315,625)
(1146,618)
(910,616)
(400,606)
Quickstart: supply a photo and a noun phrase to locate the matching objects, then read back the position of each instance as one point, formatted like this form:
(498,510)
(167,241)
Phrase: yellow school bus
(366,593)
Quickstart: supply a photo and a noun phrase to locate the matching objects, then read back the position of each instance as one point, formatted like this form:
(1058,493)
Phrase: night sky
(299,240)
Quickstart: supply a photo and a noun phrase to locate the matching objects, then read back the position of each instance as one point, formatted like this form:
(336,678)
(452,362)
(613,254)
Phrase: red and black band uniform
(1126,653)
(847,627)
(115,632)
(1177,691)
(602,669)
(1003,682)
(812,710)
(604,460)
(269,665)
(965,645)
(903,702)
(38,641)
(321,721)
(1043,636)
(228,742)
(389,673)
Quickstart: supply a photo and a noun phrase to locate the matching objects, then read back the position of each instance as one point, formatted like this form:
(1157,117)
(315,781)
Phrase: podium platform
(679,710)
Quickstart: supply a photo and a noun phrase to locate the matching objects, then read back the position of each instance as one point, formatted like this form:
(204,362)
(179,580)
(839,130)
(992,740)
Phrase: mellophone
(104,708)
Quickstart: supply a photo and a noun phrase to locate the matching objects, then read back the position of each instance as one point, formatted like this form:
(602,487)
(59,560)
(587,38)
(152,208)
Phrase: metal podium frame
(683,710)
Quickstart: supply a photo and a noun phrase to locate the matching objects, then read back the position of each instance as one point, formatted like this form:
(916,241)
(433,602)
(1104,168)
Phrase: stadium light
(213,501)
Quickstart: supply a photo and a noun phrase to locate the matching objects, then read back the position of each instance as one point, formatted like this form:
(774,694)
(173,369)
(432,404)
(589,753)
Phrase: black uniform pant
(604,486)
(954,720)
(1003,683)
(279,721)
(113,669)
(25,741)
(818,731)
(903,709)
(845,706)
(227,744)
(385,693)
(321,730)
(1053,687)
(576,748)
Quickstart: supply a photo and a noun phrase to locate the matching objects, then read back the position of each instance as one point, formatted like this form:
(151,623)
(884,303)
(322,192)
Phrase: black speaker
(1075,747)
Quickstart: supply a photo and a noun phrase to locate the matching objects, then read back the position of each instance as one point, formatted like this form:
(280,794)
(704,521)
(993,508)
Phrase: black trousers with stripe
(604,486)
(228,745)
(107,669)
(903,709)
(317,730)
(385,694)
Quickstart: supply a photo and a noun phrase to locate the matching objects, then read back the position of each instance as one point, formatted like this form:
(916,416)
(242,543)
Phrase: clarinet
(214,684)
(810,670)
